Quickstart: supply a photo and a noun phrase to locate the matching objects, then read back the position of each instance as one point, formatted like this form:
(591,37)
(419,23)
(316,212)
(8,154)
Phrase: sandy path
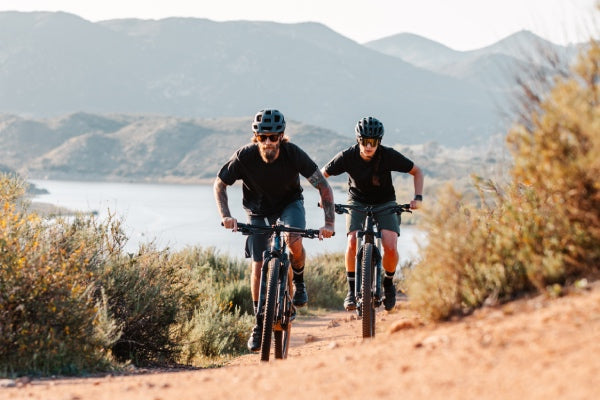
(529,349)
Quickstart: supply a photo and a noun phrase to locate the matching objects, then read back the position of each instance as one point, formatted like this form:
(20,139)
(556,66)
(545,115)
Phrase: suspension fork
(268,255)
(377,261)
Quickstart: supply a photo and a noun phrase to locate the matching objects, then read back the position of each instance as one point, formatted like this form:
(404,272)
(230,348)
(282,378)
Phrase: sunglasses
(264,138)
(369,141)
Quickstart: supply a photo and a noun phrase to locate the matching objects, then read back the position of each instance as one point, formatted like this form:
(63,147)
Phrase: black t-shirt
(268,188)
(370,181)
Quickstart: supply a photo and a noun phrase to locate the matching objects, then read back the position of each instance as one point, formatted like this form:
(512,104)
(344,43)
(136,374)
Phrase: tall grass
(540,229)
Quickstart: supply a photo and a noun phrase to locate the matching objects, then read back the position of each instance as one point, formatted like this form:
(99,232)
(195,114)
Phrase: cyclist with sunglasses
(270,168)
(369,166)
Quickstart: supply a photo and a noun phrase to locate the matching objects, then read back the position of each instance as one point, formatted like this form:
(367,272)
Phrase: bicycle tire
(270,300)
(282,342)
(283,331)
(368,311)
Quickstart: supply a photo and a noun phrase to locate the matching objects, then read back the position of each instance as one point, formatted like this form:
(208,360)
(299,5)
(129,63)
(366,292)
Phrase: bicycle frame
(369,234)
(368,256)
(275,305)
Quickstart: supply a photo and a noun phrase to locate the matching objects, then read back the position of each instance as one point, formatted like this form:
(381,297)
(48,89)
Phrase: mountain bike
(368,261)
(275,305)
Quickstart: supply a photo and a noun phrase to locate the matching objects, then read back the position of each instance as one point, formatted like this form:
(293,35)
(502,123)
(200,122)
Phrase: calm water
(184,215)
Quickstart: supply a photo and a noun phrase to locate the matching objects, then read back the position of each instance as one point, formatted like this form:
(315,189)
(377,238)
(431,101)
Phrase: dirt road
(537,348)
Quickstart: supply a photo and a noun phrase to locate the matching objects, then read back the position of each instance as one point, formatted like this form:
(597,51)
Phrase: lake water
(186,215)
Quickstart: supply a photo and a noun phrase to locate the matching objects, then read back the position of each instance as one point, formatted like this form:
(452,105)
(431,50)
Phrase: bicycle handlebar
(249,229)
(396,208)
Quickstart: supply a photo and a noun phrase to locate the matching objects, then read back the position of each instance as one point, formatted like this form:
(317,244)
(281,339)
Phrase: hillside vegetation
(541,230)
(72,301)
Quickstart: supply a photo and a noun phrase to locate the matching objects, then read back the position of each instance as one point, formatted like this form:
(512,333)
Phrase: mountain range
(54,63)
(170,99)
(139,148)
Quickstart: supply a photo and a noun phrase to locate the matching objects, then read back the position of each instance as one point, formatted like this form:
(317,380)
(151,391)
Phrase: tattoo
(318,181)
(220,191)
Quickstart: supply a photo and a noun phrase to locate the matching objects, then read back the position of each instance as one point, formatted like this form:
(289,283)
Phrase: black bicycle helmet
(369,128)
(268,121)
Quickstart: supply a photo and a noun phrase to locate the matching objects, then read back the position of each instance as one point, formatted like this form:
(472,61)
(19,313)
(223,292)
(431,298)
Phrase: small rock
(401,325)
(7,383)
(310,338)
(333,323)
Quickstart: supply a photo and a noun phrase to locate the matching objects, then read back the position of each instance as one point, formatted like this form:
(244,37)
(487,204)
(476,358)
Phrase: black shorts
(293,216)
(355,219)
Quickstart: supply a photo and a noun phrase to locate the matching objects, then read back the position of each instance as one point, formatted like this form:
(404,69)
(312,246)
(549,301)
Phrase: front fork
(284,279)
(358,272)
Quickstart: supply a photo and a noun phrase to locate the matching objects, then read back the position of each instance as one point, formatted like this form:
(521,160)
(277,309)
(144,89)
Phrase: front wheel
(270,304)
(368,309)
(283,330)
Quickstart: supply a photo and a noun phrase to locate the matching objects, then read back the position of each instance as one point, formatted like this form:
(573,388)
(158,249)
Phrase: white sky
(459,24)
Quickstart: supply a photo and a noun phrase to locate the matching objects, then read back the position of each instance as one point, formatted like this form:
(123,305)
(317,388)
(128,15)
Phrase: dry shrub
(542,228)
(50,321)
(325,277)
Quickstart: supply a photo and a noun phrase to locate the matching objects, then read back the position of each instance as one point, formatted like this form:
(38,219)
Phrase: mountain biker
(369,166)
(269,168)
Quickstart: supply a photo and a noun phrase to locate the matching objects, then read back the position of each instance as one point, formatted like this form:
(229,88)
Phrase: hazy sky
(459,24)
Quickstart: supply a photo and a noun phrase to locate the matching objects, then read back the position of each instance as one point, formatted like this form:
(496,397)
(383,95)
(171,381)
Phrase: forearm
(418,180)
(220,192)
(318,181)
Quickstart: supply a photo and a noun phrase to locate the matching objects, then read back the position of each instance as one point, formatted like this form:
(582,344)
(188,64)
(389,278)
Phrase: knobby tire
(282,332)
(368,310)
(270,304)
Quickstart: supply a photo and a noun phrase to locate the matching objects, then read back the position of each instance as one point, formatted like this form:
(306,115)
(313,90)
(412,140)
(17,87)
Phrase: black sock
(388,280)
(298,275)
(255,303)
(351,277)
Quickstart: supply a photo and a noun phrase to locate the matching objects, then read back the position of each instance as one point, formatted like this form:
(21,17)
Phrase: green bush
(149,294)
(325,277)
(215,332)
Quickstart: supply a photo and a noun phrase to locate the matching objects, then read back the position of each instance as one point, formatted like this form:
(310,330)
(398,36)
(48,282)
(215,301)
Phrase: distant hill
(56,64)
(84,146)
(494,68)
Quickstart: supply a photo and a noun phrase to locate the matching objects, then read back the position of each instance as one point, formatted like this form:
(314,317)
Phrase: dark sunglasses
(372,141)
(264,138)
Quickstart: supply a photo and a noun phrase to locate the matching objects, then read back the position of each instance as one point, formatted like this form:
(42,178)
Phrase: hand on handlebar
(229,223)
(415,204)
(326,231)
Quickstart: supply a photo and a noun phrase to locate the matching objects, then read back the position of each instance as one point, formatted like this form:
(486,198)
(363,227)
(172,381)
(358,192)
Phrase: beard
(269,155)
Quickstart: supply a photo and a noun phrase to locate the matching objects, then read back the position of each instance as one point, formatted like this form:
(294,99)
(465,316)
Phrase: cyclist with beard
(270,168)
(369,166)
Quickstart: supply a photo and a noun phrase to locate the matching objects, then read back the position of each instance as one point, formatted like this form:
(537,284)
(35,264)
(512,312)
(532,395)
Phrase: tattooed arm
(220,191)
(318,181)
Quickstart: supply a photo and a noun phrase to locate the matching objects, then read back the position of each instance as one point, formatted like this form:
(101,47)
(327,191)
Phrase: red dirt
(535,348)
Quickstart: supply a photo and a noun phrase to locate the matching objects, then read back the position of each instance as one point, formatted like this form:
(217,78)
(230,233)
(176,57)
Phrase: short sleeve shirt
(369,182)
(268,187)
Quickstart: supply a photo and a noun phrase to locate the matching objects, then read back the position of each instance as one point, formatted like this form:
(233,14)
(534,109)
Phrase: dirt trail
(536,348)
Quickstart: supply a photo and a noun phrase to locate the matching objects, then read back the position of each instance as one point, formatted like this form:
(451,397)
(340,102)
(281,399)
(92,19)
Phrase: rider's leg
(297,259)
(254,341)
(255,282)
(255,246)
(389,241)
(351,252)
(293,215)
(350,300)
(354,222)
